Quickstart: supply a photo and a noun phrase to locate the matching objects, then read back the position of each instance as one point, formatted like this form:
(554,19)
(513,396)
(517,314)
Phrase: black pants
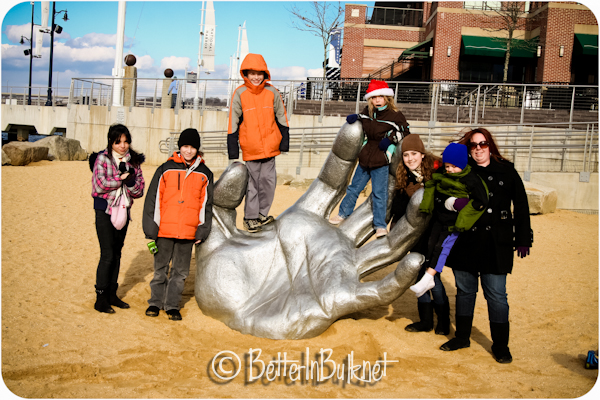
(111,242)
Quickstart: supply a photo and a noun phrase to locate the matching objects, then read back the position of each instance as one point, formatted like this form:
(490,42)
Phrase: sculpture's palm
(300,274)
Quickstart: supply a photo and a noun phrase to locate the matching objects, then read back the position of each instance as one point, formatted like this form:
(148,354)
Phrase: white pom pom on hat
(378,88)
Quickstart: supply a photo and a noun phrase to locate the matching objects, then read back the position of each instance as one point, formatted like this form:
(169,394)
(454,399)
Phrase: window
(483,5)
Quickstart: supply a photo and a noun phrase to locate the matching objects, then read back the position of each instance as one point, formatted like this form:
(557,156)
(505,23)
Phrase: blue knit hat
(456,154)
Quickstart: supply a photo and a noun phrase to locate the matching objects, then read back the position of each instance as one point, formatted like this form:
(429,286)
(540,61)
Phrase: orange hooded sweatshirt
(257,117)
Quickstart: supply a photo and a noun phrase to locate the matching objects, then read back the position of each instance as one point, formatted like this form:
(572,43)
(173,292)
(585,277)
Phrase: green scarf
(449,185)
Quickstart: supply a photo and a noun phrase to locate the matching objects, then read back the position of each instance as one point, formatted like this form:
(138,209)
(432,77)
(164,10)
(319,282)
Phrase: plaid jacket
(106,180)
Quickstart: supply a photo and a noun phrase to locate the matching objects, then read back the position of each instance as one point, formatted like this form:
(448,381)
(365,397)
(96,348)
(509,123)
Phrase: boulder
(542,199)
(63,149)
(5,158)
(23,153)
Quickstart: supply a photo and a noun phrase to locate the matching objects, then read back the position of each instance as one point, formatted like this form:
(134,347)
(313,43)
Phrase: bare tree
(322,19)
(508,18)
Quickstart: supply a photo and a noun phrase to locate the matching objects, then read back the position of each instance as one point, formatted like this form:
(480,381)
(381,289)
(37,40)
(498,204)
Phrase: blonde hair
(389,101)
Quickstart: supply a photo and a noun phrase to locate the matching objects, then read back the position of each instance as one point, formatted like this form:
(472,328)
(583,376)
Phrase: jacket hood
(255,62)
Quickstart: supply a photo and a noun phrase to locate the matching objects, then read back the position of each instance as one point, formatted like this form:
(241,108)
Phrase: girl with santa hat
(384,126)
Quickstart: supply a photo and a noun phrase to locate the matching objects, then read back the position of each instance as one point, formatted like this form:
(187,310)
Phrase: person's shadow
(143,265)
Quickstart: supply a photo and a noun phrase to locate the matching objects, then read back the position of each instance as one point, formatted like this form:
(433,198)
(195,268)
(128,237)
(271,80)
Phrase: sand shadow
(140,267)
(575,364)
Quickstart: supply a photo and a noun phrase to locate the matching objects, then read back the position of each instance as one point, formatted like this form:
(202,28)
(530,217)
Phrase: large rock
(5,158)
(542,199)
(63,149)
(23,153)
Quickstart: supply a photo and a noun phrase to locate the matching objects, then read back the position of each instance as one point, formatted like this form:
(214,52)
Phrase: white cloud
(144,63)
(175,63)
(294,73)
(93,40)
(88,54)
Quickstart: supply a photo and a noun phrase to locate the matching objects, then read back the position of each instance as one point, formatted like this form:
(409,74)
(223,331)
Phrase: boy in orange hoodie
(177,215)
(258,123)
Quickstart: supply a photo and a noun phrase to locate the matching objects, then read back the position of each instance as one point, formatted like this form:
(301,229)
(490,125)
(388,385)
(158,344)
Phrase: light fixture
(431,52)
(58,29)
(26,52)
(449,51)
(65,18)
(561,51)
(539,51)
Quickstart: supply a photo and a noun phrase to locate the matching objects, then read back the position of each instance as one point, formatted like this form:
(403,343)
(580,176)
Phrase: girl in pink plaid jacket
(115,170)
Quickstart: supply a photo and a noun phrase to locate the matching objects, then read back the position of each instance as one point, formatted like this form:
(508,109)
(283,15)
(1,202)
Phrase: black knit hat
(190,137)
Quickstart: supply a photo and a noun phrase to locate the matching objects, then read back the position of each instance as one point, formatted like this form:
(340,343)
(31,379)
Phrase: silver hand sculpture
(300,274)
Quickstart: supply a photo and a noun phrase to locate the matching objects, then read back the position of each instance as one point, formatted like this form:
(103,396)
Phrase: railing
(394,16)
(535,148)
(215,94)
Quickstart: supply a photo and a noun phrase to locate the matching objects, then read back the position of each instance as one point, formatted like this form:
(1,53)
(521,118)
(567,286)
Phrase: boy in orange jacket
(177,215)
(258,122)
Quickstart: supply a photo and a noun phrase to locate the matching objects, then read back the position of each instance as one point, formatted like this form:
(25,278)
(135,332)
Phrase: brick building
(552,42)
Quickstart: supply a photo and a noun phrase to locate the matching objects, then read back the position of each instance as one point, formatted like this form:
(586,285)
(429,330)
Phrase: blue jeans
(379,195)
(438,292)
(494,290)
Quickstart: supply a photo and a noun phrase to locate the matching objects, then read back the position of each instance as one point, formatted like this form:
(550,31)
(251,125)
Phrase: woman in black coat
(485,252)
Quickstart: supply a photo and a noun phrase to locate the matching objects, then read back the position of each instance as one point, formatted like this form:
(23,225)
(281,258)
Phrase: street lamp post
(58,29)
(30,52)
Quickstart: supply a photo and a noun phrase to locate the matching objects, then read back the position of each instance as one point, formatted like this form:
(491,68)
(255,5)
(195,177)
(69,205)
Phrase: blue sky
(161,34)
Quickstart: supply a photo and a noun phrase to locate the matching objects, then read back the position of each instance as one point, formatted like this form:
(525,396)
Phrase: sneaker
(174,315)
(265,220)
(152,311)
(591,361)
(381,232)
(336,220)
(252,225)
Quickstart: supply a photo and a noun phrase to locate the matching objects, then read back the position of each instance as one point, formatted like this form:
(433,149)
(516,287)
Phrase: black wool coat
(488,247)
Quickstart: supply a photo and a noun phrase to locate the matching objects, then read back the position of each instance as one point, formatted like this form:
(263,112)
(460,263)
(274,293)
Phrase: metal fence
(536,148)
(216,93)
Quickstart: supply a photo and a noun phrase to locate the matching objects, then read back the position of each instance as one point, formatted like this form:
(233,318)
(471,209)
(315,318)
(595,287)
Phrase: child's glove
(384,144)
(522,251)
(459,204)
(351,118)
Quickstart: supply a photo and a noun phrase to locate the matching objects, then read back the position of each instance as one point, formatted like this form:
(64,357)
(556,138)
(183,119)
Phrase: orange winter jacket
(257,117)
(178,203)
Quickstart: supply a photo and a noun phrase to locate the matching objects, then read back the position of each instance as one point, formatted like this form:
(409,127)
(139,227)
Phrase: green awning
(496,47)
(585,44)
(414,50)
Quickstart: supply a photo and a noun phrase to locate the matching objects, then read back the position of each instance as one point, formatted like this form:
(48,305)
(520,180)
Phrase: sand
(54,344)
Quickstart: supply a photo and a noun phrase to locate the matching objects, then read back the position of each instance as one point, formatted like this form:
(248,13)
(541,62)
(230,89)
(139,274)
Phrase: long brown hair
(427,169)
(494,152)
(389,101)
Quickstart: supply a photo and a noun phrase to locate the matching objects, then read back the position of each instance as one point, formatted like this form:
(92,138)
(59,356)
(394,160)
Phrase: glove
(122,167)
(384,144)
(449,203)
(411,188)
(522,251)
(351,118)
(459,204)
(130,180)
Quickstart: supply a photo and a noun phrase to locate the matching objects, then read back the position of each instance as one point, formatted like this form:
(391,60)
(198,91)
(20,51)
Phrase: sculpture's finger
(388,289)
(229,191)
(330,186)
(389,249)
(359,225)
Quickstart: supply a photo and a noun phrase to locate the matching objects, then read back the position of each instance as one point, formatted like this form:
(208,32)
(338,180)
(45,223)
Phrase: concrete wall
(149,128)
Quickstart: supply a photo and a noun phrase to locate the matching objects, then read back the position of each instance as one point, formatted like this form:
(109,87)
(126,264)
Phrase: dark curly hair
(114,135)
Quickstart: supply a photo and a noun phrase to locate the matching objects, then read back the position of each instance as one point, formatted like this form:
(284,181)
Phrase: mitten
(459,204)
(351,118)
(411,188)
(384,144)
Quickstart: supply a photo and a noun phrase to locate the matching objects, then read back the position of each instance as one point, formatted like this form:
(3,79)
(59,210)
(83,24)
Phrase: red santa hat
(378,88)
